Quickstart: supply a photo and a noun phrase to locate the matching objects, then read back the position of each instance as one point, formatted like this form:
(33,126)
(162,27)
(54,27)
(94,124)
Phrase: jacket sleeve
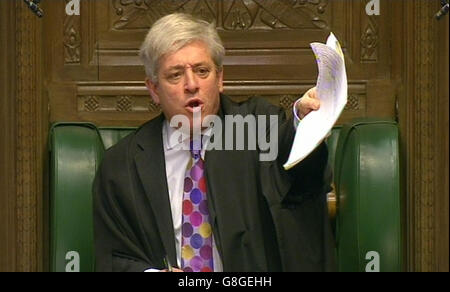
(298,201)
(308,178)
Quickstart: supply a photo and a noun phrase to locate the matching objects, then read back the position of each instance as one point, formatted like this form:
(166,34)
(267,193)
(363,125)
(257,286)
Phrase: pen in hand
(169,267)
(167,264)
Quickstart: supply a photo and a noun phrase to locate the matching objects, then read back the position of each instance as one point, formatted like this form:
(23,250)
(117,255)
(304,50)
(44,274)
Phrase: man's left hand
(309,102)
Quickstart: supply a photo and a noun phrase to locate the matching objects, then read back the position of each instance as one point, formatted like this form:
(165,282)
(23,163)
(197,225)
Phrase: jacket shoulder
(256,105)
(118,156)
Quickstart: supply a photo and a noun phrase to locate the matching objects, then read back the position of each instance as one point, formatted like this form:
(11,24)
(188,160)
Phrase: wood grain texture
(7,141)
(30,130)
(425,147)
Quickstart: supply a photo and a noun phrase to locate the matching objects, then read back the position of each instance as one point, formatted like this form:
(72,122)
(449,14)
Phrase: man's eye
(202,71)
(174,76)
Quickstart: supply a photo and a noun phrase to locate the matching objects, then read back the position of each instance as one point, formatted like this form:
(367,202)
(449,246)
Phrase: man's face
(187,79)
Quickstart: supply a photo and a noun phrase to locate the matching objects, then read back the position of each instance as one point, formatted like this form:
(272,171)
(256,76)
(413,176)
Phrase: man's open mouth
(194,103)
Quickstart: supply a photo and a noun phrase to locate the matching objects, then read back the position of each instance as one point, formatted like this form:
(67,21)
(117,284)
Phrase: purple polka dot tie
(196,239)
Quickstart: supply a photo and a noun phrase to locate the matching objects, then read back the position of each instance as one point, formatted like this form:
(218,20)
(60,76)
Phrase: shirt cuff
(152,270)
(296,118)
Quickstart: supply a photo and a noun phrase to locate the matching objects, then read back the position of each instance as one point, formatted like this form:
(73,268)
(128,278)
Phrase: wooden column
(31,130)
(23,143)
(442,220)
(7,140)
(425,134)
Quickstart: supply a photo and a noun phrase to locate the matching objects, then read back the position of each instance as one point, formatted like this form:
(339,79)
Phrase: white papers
(332,91)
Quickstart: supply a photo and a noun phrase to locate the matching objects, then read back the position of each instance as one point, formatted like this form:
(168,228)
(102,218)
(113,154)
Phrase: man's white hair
(174,31)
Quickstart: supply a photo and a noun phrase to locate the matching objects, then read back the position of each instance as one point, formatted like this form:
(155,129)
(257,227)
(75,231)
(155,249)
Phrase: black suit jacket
(264,218)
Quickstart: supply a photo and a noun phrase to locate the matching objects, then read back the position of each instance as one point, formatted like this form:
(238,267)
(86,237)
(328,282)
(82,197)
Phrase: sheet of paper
(332,91)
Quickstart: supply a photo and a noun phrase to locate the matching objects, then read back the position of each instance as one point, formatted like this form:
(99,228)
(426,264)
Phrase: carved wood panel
(94,64)
(229,15)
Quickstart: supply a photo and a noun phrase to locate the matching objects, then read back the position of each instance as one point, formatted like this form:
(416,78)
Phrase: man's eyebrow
(176,67)
(200,64)
(180,67)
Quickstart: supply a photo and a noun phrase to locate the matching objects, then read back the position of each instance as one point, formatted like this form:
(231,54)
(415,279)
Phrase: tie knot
(196,147)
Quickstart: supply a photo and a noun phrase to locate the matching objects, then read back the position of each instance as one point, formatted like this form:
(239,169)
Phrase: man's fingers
(315,104)
(312,93)
(307,104)
(303,114)
(173,270)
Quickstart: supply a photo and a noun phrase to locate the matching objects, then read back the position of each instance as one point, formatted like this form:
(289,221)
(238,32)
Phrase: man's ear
(151,86)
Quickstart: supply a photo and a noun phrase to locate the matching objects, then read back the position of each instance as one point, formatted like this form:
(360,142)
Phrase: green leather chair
(367,180)
(365,156)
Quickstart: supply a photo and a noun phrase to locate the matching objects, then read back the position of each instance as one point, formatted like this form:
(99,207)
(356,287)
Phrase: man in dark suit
(207,209)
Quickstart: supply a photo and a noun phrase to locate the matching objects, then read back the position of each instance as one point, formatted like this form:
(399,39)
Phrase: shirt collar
(168,131)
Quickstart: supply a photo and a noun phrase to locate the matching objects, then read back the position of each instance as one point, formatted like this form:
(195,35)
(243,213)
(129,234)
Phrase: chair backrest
(367,179)
(76,152)
(364,154)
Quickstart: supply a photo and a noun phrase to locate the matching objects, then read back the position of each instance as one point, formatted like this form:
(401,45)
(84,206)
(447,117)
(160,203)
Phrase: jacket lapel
(150,163)
(222,202)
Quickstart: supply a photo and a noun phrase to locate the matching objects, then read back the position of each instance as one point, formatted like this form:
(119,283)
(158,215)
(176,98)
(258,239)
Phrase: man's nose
(191,83)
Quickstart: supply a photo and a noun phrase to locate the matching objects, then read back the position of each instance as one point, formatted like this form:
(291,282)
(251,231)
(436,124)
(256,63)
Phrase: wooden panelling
(31,132)
(7,141)
(95,63)
(70,42)
(426,137)
(22,149)
(118,103)
(441,253)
